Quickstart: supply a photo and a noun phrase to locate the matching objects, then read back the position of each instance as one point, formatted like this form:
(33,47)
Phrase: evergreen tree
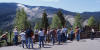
(44,22)
(91,21)
(61,17)
(99,27)
(37,25)
(56,22)
(0,32)
(77,21)
(21,20)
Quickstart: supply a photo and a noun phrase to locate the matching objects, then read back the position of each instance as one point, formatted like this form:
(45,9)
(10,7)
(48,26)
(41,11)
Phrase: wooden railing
(85,35)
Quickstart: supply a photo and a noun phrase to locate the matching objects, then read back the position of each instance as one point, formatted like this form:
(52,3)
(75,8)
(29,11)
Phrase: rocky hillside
(8,13)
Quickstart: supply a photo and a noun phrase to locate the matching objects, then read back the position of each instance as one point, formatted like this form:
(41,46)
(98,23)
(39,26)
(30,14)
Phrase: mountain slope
(8,13)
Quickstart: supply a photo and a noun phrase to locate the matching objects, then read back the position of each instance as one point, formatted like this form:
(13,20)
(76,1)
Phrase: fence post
(10,37)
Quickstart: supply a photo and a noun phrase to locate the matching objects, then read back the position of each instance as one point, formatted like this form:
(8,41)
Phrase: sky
(69,5)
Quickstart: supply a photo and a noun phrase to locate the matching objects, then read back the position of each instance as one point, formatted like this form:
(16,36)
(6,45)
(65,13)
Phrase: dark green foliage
(61,17)
(1,32)
(37,25)
(56,22)
(99,27)
(77,21)
(21,20)
(44,22)
(91,21)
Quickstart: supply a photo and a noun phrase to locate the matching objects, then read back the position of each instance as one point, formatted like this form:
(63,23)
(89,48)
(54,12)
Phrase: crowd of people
(59,35)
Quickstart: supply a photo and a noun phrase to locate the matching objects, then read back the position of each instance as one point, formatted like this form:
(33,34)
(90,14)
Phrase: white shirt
(48,32)
(64,30)
(41,33)
(36,31)
(22,36)
(15,32)
(93,30)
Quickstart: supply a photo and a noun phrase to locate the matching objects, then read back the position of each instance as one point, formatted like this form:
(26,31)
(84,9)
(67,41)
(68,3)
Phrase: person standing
(48,35)
(36,31)
(77,33)
(59,35)
(71,34)
(36,35)
(52,36)
(64,34)
(29,37)
(22,34)
(92,34)
(41,37)
(45,35)
(15,36)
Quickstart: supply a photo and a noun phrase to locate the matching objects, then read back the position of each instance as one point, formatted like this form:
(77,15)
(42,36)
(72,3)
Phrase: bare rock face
(71,19)
(85,22)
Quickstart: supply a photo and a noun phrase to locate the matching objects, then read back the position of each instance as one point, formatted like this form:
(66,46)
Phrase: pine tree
(99,27)
(21,20)
(61,17)
(37,25)
(91,21)
(56,22)
(77,21)
(0,32)
(44,22)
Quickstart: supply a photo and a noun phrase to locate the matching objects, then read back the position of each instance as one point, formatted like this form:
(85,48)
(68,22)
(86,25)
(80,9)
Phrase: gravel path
(85,44)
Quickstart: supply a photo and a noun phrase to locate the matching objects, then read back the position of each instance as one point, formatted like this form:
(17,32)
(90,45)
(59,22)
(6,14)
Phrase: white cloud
(50,0)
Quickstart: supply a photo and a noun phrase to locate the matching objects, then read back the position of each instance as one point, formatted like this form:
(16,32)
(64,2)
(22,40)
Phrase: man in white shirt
(92,34)
(41,37)
(22,34)
(41,33)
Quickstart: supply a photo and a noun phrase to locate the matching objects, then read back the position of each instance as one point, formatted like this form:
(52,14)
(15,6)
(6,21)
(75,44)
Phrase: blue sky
(70,5)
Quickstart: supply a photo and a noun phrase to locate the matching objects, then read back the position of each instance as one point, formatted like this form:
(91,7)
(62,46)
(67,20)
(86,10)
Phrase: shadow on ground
(83,40)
